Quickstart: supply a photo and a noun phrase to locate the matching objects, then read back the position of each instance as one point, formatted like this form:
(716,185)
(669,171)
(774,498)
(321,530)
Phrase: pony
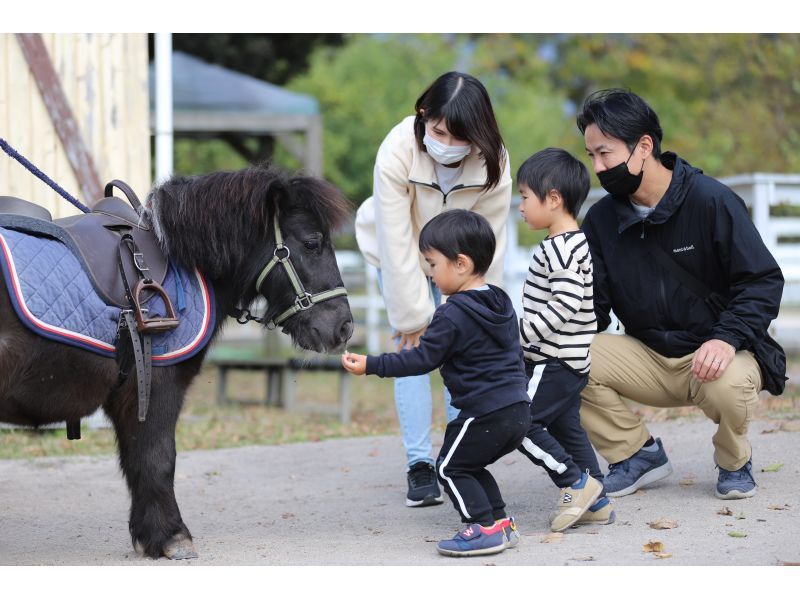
(224,225)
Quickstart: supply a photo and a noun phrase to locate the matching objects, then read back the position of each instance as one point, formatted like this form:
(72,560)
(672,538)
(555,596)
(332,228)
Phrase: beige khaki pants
(625,367)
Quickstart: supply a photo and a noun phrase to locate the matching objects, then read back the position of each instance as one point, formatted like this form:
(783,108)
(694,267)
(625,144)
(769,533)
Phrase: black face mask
(619,181)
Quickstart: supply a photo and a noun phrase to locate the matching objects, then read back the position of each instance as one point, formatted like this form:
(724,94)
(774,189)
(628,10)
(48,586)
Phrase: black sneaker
(423,490)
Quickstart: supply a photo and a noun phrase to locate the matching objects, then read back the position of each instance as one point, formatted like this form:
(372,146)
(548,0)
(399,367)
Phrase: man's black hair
(622,114)
(460,231)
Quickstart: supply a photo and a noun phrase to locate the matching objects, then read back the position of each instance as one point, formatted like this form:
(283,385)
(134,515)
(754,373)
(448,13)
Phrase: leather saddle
(94,238)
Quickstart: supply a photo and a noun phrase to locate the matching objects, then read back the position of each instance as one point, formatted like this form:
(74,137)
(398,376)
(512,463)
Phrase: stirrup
(153,324)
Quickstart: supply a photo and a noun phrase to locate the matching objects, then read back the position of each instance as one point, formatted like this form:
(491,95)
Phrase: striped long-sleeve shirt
(559,321)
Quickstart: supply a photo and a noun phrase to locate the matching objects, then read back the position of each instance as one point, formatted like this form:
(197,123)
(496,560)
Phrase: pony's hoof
(180,548)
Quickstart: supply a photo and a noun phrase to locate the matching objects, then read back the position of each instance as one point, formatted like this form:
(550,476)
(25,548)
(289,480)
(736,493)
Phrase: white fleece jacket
(405,197)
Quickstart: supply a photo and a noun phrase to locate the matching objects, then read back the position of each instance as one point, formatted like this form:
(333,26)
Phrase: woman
(449,154)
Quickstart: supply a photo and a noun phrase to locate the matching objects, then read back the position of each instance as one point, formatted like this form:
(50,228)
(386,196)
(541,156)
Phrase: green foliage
(364,89)
(728,103)
(370,84)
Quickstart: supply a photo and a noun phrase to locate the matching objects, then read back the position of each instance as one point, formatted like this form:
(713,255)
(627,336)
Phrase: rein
(303,299)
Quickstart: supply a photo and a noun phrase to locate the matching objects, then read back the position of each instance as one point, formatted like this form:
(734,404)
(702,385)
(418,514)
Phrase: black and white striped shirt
(557,298)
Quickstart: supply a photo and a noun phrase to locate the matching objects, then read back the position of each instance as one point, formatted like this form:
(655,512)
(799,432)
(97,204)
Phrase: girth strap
(142,356)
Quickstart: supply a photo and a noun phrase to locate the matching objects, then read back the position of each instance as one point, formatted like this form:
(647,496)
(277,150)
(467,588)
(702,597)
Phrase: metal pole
(163,59)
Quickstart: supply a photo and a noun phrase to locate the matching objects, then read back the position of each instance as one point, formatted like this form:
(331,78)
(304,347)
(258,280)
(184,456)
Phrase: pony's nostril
(346,331)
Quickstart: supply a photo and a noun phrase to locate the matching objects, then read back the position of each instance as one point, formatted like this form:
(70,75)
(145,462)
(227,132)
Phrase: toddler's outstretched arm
(354,363)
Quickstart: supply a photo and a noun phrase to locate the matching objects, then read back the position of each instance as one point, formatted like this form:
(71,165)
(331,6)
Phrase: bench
(281,374)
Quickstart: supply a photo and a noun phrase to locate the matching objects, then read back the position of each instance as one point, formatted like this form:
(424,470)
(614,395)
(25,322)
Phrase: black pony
(222,224)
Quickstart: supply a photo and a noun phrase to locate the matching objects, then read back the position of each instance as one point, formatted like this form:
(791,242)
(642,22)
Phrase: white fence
(760,191)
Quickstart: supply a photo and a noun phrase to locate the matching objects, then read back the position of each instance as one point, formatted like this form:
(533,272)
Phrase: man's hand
(354,363)
(711,360)
(409,339)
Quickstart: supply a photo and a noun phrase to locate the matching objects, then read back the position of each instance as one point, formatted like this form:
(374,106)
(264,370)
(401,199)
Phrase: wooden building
(85,123)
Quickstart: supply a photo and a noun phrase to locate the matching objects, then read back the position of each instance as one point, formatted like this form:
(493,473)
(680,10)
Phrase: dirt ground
(341,502)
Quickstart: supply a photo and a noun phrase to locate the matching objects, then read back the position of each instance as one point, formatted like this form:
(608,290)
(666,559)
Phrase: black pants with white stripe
(470,444)
(556,440)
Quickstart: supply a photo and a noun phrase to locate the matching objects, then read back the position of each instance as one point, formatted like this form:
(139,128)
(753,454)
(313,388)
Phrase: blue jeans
(412,397)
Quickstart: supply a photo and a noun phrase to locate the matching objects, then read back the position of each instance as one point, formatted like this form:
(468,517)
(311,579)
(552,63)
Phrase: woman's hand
(354,363)
(408,340)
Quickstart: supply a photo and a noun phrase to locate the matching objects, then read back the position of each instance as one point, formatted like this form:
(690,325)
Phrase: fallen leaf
(663,524)
(771,430)
(287,515)
(737,534)
(662,555)
(779,507)
(553,538)
(581,558)
(686,482)
(653,547)
(790,426)
(724,511)
(741,516)
(772,468)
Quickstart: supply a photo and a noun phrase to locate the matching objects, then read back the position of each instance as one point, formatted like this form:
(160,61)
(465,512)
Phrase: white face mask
(445,154)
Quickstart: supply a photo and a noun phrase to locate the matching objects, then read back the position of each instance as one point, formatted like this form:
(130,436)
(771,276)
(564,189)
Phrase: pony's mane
(212,221)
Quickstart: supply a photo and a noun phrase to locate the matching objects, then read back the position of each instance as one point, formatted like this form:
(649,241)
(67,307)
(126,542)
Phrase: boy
(556,330)
(474,339)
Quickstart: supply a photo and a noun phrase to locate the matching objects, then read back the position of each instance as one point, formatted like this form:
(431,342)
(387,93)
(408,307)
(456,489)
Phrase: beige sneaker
(605,515)
(574,502)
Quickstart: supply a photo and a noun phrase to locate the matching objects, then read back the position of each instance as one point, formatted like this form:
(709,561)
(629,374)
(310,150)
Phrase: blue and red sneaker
(475,540)
(510,530)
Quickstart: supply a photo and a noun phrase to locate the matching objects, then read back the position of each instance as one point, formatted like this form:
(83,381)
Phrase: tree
(729,102)
(372,82)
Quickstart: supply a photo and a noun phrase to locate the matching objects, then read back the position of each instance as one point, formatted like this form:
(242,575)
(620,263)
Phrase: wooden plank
(5,104)
(18,133)
(61,114)
(135,117)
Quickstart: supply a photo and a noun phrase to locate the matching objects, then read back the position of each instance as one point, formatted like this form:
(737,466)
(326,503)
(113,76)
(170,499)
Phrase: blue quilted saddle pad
(54,298)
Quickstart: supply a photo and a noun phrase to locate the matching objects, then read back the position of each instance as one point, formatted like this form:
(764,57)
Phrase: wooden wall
(104,77)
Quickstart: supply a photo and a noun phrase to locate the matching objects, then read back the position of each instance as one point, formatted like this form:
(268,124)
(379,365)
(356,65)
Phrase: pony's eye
(313,243)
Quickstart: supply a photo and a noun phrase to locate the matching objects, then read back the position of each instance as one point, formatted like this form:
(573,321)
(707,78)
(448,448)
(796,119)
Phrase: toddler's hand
(354,363)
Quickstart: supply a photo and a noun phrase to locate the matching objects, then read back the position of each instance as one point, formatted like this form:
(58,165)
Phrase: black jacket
(706,229)
(474,339)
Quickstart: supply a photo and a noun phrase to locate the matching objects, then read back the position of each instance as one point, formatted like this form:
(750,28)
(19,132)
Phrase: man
(679,261)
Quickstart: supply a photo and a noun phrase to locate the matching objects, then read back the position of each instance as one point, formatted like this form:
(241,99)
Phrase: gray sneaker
(736,484)
(637,471)
(423,489)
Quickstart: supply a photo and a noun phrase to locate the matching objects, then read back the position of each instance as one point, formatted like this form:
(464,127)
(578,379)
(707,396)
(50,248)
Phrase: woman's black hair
(464,104)
(622,114)
(460,231)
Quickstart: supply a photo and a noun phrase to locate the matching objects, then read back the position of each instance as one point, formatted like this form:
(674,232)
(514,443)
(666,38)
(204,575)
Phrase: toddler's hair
(460,231)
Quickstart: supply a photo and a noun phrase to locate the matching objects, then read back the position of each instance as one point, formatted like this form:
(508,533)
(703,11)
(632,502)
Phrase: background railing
(773,200)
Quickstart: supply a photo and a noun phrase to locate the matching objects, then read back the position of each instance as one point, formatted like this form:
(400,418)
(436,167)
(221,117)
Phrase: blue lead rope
(39,174)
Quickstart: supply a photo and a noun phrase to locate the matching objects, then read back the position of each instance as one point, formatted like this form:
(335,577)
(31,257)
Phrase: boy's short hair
(555,168)
(460,231)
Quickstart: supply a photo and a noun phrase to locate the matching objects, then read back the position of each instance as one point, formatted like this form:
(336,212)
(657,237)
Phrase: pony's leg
(147,457)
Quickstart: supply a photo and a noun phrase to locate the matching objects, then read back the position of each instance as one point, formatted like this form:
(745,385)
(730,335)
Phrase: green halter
(303,299)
